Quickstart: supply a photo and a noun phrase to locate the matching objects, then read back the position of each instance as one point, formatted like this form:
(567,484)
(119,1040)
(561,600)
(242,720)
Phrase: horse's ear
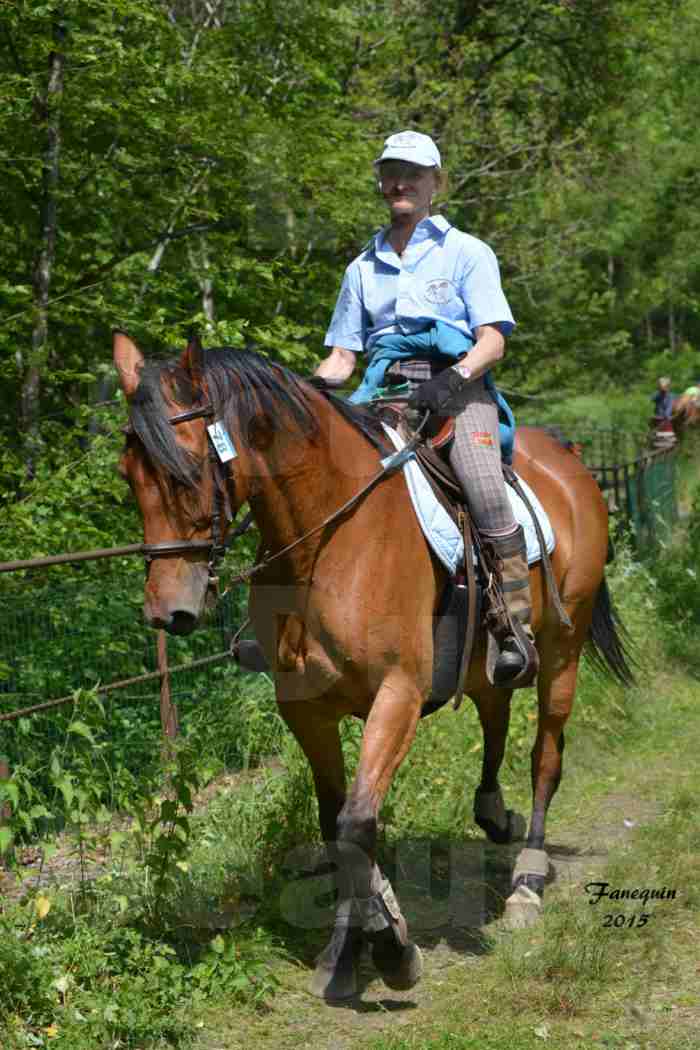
(193,360)
(128,359)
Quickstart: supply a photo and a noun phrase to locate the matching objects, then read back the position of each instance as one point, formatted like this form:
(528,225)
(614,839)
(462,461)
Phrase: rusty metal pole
(168,710)
(5,809)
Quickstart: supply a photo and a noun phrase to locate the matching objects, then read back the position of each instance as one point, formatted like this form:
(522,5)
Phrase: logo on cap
(407,139)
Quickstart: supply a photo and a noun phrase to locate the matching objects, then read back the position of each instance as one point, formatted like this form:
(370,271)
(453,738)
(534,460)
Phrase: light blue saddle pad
(441,532)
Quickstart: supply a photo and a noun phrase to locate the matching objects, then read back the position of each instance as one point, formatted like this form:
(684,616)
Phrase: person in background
(663,401)
(423,303)
(662,422)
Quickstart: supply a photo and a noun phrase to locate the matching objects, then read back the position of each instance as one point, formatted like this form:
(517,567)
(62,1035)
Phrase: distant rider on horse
(424,303)
(663,400)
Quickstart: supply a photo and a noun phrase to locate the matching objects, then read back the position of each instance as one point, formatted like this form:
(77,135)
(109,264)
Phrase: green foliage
(240,972)
(675,574)
(227,161)
(90,630)
(111,963)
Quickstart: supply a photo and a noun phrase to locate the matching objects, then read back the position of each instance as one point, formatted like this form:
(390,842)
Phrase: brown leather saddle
(485,603)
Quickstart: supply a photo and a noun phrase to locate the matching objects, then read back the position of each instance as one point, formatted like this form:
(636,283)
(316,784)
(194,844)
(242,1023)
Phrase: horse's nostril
(182,623)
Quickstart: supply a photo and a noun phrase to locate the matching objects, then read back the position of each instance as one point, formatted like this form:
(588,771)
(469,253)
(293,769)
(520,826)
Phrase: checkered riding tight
(475,457)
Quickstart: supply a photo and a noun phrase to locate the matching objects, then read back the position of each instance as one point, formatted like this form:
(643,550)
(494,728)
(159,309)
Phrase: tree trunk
(201,267)
(672,327)
(49,107)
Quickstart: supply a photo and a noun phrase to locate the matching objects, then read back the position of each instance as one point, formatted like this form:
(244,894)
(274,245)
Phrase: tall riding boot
(517,662)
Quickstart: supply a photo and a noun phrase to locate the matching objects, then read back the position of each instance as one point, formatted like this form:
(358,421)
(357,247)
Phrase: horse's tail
(608,643)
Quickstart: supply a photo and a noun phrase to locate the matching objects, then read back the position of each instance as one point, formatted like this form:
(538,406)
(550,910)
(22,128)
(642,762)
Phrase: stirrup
(514,662)
(510,662)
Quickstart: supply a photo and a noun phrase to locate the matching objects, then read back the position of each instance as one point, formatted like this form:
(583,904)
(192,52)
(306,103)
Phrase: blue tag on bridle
(221,440)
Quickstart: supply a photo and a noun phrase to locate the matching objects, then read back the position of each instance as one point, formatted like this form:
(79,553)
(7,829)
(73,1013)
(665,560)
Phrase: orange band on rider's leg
(482,437)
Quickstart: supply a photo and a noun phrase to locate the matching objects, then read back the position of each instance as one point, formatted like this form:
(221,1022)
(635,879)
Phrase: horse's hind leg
(500,824)
(560,653)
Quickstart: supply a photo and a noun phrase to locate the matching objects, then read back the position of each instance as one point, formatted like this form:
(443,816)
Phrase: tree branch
(92,276)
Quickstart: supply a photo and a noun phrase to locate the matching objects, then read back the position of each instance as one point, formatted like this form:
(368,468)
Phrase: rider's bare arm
(338,366)
(487,350)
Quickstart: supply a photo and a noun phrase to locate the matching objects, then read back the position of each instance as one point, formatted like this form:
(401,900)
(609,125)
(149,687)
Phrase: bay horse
(345,617)
(686,413)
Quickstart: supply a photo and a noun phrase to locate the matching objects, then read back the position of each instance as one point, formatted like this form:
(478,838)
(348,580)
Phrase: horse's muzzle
(179,622)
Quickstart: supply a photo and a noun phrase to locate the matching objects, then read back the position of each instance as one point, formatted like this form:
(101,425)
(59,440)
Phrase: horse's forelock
(150,418)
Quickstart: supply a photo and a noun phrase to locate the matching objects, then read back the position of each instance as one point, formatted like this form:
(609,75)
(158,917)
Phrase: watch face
(440,291)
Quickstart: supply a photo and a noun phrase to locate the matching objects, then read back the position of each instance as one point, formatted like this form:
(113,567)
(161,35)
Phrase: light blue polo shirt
(443,275)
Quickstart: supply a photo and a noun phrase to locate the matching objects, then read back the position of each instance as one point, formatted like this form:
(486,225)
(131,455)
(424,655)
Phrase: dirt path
(583,832)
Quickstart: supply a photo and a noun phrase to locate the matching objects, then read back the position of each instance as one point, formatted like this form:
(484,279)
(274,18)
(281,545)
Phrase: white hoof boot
(523,908)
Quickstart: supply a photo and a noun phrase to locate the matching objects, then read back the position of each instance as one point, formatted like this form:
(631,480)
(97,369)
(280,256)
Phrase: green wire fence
(639,482)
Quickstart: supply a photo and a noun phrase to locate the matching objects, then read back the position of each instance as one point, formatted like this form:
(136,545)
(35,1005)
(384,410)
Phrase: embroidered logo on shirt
(439,291)
(482,437)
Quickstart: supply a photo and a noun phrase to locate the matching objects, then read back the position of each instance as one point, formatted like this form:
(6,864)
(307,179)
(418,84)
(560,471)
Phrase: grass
(570,982)
(212,961)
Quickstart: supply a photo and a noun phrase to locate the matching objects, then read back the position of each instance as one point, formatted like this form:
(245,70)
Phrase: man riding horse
(424,302)
(344,613)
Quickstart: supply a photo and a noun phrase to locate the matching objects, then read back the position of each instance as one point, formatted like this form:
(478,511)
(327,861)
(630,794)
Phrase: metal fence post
(5,810)
(168,710)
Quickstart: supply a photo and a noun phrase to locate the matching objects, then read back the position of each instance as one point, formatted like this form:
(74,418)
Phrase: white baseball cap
(413,147)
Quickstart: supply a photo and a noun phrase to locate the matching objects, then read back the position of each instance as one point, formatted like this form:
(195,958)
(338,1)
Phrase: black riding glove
(443,394)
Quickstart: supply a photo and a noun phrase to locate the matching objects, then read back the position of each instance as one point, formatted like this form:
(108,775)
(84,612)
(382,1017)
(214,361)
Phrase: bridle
(217,545)
(221,508)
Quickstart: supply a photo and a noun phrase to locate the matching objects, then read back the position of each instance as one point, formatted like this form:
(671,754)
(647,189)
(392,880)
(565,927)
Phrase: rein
(217,546)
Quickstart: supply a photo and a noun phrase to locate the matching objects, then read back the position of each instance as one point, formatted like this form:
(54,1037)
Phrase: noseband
(216,546)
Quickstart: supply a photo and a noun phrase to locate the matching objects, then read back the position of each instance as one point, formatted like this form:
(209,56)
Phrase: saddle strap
(472,626)
(442,480)
(551,584)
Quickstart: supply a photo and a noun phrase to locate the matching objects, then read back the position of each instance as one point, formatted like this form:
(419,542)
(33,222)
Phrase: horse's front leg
(389,732)
(316,730)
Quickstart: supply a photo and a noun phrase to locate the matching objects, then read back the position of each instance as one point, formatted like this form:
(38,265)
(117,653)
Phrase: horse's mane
(241,385)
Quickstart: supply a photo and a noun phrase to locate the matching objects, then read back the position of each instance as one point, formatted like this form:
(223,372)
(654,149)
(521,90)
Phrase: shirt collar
(434,226)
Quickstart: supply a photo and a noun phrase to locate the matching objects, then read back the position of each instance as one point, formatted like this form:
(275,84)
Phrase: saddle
(485,604)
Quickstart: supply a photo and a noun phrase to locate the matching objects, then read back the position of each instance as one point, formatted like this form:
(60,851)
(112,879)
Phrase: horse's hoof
(401,974)
(514,831)
(499,824)
(517,826)
(335,976)
(523,908)
(334,985)
(248,654)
